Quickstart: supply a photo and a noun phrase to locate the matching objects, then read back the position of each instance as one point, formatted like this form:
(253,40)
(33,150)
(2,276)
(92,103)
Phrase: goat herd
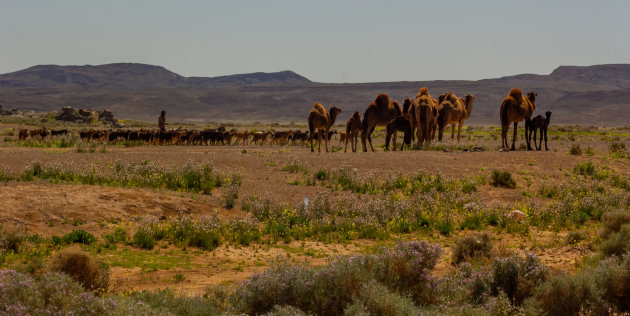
(423,113)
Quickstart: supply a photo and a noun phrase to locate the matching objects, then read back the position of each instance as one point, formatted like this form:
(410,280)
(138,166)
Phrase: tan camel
(321,120)
(379,113)
(426,114)
(514,108)
(353,126)
(453,110)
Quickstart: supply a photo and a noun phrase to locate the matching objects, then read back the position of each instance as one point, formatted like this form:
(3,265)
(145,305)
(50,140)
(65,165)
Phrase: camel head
(532,96)
(334,111)
(548,114)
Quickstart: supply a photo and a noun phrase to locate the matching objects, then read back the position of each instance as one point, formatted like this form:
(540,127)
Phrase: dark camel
(540,123)
(353,126)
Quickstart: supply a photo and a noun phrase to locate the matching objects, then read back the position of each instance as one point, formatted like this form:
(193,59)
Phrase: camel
(342,137)
(321,120)
(378,113)
(454,110)
(540,123)
(426,114)
(260,136)
(514,108)
(353,126)
(399,124)
(282,137)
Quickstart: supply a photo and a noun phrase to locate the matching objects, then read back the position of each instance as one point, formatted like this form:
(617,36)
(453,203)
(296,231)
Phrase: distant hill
(591,95)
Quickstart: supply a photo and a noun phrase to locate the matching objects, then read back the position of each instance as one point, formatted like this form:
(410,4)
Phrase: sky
(325,41)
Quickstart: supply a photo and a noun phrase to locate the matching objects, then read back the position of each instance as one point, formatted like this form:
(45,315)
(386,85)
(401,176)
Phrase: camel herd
(419,120)
(423,115)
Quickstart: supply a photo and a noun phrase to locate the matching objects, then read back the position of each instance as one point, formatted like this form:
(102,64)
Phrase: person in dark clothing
(162,121)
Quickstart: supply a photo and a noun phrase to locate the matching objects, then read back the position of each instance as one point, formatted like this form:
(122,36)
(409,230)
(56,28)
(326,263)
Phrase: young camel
(540,123)
(379,113)
(454,110)
(514,108)
(353,126)
(321,120)
(426,114)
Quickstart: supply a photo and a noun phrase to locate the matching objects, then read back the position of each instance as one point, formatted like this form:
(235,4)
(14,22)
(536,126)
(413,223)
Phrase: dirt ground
(54,209)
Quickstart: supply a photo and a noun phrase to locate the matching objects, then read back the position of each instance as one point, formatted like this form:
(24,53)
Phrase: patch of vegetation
(502,179)
(197,178)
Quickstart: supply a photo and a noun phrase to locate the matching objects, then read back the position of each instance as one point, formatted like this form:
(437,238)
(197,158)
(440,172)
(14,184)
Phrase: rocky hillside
(593,95)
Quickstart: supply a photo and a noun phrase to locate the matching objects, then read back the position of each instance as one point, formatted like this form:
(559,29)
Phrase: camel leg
(504,136)
(528,122)
(319,141)
(545,131)
(356,142)
(453,132)
(346,148)
(459,130)
(440,131)
(394,140)
(514,138)
(369,137)
(326,139)
(363,139)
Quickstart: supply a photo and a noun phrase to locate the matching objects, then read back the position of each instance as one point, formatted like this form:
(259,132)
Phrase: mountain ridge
(593,95)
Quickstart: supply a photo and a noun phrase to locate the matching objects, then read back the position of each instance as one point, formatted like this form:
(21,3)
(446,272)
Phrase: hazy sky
(325,41)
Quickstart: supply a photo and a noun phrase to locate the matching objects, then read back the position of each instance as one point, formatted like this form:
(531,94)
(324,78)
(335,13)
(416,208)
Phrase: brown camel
(514,108)
(454,110)
(540,123)
(353,126)
(379,113)
(426,113)
(321,120)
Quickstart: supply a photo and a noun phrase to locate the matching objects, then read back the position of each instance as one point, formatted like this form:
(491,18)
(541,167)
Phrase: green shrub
(471,247)
(230,195)
(206,240)
(321,175)
(612,221)
(143,239)
(585,168)
(12,239)
(78,236)
(502,179)
(165,302)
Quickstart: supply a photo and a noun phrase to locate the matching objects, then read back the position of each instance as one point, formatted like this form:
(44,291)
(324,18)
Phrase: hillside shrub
(78,236)
(575,150)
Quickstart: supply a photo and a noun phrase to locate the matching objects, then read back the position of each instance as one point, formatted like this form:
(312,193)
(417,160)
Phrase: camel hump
(424,91)
(319,108)
(516,93)
(450,97)
(382,100)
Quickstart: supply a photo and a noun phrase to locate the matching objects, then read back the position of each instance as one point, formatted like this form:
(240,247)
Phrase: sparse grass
(575,150)
(197,178)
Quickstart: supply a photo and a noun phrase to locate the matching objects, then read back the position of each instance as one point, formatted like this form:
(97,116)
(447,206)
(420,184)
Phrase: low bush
(575,237)
(517,277)
(92,275)
(377,299)
(585,168)
(52,293)
(471,247)
(328,290)
(502,179)
(569,295)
